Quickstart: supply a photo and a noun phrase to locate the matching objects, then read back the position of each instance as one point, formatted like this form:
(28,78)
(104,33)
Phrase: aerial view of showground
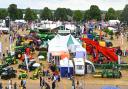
(63,44)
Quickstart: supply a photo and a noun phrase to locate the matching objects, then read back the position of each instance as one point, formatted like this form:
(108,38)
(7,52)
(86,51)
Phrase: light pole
(7,22)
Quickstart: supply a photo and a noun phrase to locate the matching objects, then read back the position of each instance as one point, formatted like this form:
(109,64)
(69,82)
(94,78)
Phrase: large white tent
(58,40)
(63,42)
(20,21)
(113,22)
(60,44)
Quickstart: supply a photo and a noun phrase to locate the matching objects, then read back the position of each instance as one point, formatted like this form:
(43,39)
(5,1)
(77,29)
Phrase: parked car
(8,73)
(2,67)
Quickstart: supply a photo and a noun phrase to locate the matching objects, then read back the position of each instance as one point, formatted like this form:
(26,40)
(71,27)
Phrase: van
(79,66)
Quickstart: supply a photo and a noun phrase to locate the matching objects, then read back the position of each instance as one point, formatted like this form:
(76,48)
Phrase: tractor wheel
(26,76)
(113,76)
(19,77)
(120,75)
(14,76)
(19,56)
(102,76)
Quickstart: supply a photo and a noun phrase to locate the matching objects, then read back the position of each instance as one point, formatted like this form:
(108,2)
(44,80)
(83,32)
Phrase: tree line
(65,14)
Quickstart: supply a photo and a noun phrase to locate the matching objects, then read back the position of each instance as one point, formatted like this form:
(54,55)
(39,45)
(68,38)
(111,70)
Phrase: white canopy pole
(26,61)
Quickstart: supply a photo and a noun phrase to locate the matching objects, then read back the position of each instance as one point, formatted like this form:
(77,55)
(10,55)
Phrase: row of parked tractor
(26,44)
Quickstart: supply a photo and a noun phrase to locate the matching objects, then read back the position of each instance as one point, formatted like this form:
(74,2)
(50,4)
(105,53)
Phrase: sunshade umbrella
(41,57)
(36,65)
(110,87)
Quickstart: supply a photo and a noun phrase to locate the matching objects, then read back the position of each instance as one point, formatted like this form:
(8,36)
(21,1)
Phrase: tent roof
(66,63)
(20,20)
(58,49)
(110,87)
(65,40)
(58,40)
(4,28)
(70,40)
(75,41)
(70,26)
(61,43)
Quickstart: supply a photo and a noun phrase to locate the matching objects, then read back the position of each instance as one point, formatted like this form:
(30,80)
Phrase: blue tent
(110,87)
(66,68)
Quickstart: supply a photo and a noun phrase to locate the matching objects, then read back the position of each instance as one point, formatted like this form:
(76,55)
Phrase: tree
(77,16)
(30,15)
(34,15)
(118,14)
(19,14)
(69,12)
(3,13)
(111,14)
(95,12)
(124,14)
(46,14)
(12,10)
(111,34)
(87,15)
(60,14)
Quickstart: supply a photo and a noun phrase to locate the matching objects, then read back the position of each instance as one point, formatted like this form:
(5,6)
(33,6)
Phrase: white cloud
(73,4)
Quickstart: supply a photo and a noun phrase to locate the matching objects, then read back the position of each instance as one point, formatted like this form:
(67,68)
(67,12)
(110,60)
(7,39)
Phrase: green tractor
(109,73)
(23,75)
(36,74)
(11,60)
(21,48)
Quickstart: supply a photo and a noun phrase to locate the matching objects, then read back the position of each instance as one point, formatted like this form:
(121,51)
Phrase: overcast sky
(72,4)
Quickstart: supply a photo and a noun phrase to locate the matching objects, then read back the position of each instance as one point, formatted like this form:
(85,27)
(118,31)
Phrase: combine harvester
(110,56)
(109,53)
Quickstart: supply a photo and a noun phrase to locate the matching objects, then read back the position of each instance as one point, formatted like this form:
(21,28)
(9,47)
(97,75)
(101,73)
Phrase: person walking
(21,83)
(77,84)
(58,78)
(42,83)
(1,87)
(40,80)
(24,84)
(9,84)
(53,85)
(3,61)
(15,85)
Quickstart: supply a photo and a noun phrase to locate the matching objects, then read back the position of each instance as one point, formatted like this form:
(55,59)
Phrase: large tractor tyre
(14,76)
(120,75)
(102,75)
(19,77)
(5,78)
(19,56)
(26,76)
